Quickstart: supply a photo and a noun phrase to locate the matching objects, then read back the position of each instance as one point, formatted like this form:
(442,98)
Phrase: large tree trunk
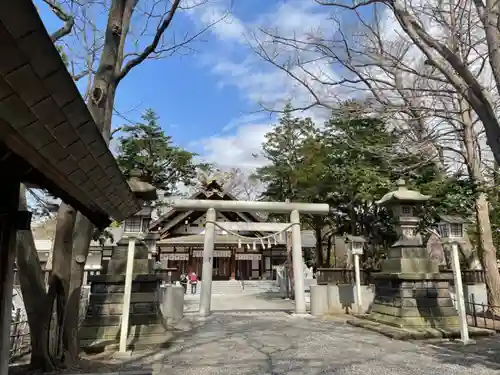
(60,277)
(486,245)
(34,290)
(81,243)
(100,105)
(456,72)
(109,73)
(318,229)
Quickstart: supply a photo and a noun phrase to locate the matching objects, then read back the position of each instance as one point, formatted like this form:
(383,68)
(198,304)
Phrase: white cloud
(258,81)
(239,149)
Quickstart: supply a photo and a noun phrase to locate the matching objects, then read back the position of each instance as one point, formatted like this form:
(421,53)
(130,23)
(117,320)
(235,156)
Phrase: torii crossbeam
(211,206)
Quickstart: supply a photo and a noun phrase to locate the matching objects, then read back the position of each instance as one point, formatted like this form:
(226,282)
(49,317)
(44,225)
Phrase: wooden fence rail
(346,276)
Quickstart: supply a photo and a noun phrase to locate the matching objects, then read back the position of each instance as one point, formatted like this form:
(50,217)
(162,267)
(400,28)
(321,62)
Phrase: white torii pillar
(206,272)
(294,209)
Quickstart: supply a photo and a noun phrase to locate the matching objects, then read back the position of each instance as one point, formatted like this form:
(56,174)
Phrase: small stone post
(357,277)
(206,275)
(127,293)
(298,271)
(459,290)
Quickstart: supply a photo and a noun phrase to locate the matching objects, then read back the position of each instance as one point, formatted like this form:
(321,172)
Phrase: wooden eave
(45,122)
(192,216)
(173,217)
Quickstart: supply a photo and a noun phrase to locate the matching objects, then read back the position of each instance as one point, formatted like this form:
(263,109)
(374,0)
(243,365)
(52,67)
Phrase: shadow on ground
(278,343)
(483,351)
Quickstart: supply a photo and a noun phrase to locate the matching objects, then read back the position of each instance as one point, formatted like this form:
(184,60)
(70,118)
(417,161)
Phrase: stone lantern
(451,228)
(409,291)
(451,231)
(130,271)
(404,204)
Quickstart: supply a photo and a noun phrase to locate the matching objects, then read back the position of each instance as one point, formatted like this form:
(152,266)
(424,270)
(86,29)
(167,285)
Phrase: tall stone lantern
(126,297)
(409,291)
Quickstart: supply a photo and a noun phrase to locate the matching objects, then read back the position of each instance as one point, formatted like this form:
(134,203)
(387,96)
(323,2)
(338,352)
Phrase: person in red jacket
(193,280)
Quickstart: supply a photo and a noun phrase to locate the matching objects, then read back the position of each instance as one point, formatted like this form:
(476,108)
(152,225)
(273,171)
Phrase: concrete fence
(340,298)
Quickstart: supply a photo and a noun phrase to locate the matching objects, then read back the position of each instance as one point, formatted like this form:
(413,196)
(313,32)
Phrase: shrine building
(182,237)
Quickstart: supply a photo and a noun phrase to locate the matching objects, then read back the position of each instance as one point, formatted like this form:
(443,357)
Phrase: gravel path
(277,343)
(240,343)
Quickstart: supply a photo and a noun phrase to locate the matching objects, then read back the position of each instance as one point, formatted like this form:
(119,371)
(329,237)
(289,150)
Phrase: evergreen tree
(145,147)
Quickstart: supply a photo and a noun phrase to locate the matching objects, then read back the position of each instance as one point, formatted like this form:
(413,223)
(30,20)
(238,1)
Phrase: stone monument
(101,327)
(410,293)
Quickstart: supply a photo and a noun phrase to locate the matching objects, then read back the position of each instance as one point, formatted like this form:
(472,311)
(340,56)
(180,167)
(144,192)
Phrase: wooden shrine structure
(48,139)
(182,237)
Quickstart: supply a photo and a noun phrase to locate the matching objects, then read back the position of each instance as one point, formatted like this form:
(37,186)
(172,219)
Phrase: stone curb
(143,372)
(403,334)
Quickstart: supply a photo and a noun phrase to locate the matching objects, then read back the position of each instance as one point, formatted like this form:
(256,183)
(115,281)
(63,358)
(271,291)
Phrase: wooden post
(127,293)
(9,202)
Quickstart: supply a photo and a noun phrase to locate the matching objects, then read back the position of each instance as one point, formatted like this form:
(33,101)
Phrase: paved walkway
(279,343)
(257,302)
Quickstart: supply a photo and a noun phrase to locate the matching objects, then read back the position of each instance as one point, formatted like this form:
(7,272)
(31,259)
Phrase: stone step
(112,320)
(113,332)
(119,266)
(117,308)
(101,299)
(141,252)
(234,287)
(142,342)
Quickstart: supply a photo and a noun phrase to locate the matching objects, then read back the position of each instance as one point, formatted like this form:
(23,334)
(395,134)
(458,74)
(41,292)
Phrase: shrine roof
(213,190)
(47,136)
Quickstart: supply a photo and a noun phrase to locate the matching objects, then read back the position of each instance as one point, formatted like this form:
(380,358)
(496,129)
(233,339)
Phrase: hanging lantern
(239,243)
(269,243)
(248,246)
(253,246)
(275,241)
(262,243)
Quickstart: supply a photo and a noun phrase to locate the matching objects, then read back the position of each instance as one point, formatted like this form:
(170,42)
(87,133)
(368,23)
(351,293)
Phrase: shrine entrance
(215,268)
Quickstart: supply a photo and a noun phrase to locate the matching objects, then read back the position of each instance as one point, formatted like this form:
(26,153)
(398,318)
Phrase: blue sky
(207,99)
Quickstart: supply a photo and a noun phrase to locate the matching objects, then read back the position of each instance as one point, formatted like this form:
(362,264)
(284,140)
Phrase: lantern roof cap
(141,188)
(452,219)
(351,238)
(402,194)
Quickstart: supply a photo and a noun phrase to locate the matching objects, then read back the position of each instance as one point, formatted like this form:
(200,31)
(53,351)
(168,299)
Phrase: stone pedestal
(101,328)
(412,299)
(410,291)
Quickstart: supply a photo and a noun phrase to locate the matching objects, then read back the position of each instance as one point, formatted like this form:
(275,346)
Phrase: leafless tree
(428,92)
(135,31)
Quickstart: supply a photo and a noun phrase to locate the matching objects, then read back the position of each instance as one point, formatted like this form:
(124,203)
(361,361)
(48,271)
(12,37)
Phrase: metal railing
(19,336)
(481,315)
(20,345)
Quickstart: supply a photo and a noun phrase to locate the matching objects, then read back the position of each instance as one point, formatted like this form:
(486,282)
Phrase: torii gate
(211,206)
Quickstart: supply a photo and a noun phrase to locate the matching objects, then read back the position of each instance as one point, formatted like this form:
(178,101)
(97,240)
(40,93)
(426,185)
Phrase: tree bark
(486,245)
(456,72)
(69,258)
(60,277)
(34,290)
(318,229)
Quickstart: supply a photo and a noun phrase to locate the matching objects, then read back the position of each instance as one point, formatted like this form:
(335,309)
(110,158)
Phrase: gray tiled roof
(45,121)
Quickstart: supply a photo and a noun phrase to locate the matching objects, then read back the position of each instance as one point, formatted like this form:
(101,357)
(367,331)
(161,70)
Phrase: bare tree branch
(68,19)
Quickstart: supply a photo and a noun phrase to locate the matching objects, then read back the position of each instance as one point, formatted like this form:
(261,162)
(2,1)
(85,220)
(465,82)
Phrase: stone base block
(415,321)
(98,339)
(398,333)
